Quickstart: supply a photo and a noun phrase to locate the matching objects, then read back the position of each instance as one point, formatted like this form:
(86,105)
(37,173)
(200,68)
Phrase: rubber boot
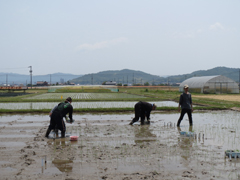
(133,121)
(62,134)
(178,123)
(47,133)
(56,132)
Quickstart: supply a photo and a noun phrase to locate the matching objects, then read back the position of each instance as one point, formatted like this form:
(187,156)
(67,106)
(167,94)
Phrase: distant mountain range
(13,78)
(125,76)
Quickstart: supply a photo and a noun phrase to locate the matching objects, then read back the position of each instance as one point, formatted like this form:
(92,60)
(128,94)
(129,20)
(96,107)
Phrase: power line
(14,68)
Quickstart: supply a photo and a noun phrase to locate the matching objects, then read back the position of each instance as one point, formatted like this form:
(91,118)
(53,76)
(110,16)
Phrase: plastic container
(73,138)
(183,132)
(232,153)
(187,134)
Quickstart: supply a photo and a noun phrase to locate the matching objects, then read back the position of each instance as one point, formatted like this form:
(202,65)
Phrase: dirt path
(221,97)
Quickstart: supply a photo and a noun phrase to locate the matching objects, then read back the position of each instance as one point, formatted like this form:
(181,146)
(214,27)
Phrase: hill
(138,77)
(124,76)
(13,78)
(232,73)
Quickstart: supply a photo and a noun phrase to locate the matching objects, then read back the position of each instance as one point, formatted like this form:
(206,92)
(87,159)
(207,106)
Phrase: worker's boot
(148,122)
(47,133)
(56,132)
(191,128)
(142,121)
(62,134)
(133,121)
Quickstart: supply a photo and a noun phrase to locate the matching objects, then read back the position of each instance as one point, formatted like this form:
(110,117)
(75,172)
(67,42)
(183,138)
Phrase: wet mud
(109,148)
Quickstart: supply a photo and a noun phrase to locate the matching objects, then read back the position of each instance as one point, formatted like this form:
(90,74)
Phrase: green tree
(146,84)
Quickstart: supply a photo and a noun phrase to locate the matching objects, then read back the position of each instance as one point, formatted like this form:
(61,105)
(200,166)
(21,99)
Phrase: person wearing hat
(57,114)
(142,109)
(185,101)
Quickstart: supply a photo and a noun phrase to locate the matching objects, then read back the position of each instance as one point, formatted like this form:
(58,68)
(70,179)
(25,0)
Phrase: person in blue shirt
(185,102)
(57,114)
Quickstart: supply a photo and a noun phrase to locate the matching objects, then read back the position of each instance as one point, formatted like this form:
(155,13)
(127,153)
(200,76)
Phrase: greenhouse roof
(197,81)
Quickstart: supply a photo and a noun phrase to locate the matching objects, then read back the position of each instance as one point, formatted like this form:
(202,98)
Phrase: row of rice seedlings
(85,96)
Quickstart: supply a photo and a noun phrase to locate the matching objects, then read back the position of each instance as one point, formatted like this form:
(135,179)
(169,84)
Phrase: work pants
(183,112)
(57,121)
(139,113)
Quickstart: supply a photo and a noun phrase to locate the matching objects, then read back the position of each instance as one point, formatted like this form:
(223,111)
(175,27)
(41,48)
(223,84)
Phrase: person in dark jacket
(142,109)
(185,101)
(57,114)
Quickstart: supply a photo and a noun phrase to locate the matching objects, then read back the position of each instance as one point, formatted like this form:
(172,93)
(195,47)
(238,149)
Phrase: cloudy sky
(154,36)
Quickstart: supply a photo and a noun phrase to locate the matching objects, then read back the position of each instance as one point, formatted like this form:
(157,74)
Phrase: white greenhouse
(210,84)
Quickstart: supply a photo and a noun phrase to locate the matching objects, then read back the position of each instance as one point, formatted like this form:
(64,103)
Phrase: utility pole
(6,79)
(92,79)
(30,75)
(239,79)
(133,79)
(50,80)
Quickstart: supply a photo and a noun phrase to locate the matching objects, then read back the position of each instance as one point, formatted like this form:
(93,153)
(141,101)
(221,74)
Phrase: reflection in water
(185,144)
(63,165)
(144,134)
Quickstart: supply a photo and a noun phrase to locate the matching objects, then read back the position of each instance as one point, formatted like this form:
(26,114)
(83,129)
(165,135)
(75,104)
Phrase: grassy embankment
(150,94)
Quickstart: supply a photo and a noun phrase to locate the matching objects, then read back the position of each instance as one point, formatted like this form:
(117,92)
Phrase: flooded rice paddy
(109,148)
(107,104)
(86,96)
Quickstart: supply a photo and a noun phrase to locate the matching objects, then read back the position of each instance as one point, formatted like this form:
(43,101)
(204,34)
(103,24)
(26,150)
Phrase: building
(110,83)
(210,84)
(42,83)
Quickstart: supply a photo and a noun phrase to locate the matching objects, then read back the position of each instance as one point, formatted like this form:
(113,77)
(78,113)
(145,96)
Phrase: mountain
(13,78)
(120,76)
(124,76)
(138,77)
(232,73)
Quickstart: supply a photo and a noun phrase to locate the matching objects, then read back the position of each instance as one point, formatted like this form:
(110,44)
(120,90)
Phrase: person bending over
(57,115)
(142,109)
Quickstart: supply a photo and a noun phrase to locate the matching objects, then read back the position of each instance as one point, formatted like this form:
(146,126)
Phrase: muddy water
(108,146)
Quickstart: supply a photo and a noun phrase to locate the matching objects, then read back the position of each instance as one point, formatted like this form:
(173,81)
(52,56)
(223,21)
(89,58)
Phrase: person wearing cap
(185,102)
(57,114)
(142,109)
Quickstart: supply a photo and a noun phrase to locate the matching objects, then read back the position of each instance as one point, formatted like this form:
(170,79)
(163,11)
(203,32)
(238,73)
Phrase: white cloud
(103,44)
(216,26)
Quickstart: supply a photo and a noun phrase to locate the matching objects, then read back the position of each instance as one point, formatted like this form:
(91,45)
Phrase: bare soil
(221,97)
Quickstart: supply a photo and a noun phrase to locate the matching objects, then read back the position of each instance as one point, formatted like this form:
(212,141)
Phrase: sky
(158,37)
